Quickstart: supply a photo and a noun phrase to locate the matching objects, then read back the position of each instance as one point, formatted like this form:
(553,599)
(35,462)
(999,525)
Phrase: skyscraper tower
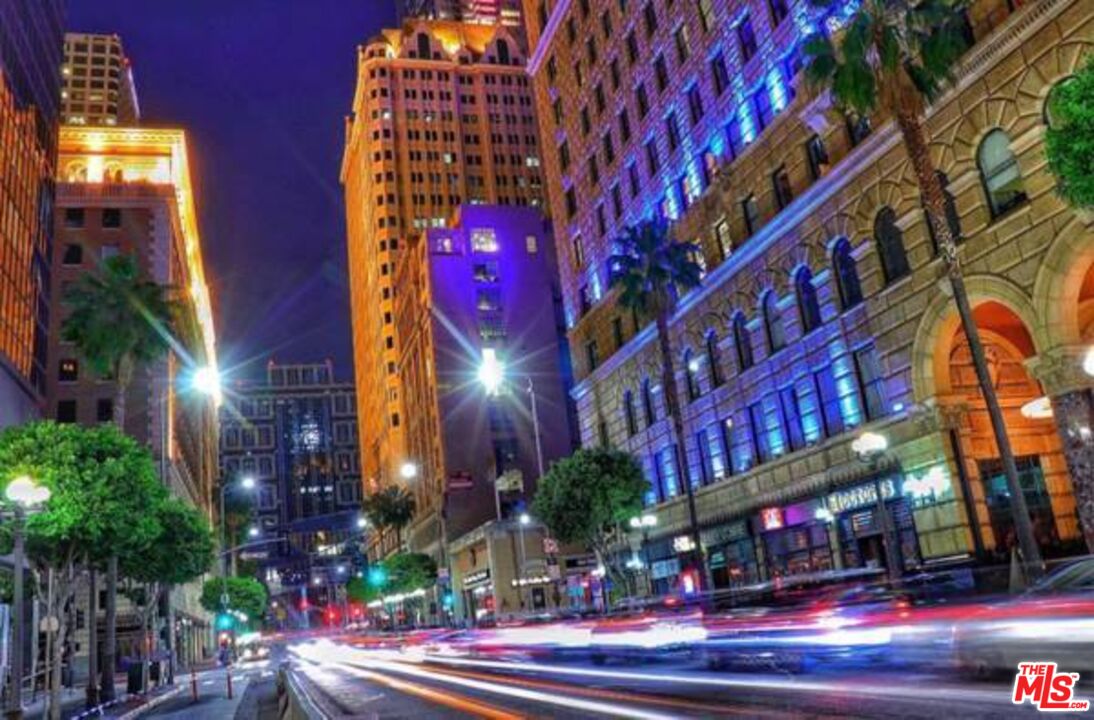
(442,116)
(30,61)
(97,79)
(486,12)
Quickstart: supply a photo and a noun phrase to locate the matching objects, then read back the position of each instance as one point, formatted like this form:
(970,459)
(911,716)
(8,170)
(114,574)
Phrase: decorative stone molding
(1060,370)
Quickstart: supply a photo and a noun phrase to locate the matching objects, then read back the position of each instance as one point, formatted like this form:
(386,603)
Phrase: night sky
(262,87)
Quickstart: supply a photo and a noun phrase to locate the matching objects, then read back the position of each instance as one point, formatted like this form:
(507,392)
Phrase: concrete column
(761,557)
(1074,415)
(833,544)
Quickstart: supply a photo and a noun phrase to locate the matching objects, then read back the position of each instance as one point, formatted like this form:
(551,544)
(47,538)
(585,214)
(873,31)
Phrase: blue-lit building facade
(821,316)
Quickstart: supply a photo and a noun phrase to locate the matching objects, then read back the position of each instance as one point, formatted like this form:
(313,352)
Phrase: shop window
(890,246)
(808,306)
(999,173)
(997,497)
(742,341)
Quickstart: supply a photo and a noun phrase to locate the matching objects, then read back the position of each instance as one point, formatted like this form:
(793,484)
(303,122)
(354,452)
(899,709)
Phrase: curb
(158,700)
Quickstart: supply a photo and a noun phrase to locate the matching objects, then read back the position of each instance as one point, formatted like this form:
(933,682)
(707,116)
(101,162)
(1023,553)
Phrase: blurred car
(1052,621)
(251,647)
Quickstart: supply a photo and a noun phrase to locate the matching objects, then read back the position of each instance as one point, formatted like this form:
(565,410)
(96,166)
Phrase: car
(1052,621)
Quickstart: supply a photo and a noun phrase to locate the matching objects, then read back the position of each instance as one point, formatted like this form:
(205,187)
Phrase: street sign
(510,481)
(442,574)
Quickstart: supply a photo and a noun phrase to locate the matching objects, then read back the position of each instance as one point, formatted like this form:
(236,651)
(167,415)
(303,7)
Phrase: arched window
(1050,114)
(76,172)
(773,323)
(714,360)
(424,50)
(953,220)
(890,246)
(628,413)
(999,173)
(807,300)
(843,263)
(503,52)
(692,367)
(647,403)
(742,342)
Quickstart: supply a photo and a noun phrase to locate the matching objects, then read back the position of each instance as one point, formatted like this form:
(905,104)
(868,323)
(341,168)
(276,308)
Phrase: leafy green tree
(245,594)
(407,572)
(119,321)
(1069,139)
(651,271)
(180,551)
(896,56)
(360,590)
(100,481)
(589,498)
(391,508)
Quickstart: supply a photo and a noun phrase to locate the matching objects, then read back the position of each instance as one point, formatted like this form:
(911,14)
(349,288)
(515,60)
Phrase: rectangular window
(642,99)
(104,410)
(706,14)
(721,234)
(667,472)
(617,337)
(66,411)
(653,161)
(661,73)
(734,139)
(761,103)
(592,355)
(870,382)
(719,73)
(751,214)
(649,14)
(779,11)
(74,217)
(672,130)
(825,383)
(746,38)
(680,39)
(818,157)
(780,183)
(742,448)
(624,125)
(632,48)
(633,179)
(760,438)
(791,410)
(695,104)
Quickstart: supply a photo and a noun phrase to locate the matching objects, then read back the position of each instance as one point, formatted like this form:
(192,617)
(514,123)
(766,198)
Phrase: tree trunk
(106,685)
(92,639)
(931,188)
(672,404)
(122,375)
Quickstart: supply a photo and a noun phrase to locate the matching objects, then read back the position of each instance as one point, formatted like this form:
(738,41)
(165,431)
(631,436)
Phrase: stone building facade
(442,116)
(824,313)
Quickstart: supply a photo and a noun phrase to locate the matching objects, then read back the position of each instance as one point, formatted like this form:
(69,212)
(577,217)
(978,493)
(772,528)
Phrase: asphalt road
(358,683)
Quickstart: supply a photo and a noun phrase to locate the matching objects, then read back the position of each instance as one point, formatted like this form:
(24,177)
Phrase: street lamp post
(523,520)
(645,523)
(25,495)
(247,483)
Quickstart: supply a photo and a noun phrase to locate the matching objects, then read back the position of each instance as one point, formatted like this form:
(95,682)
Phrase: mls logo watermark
(1046,689)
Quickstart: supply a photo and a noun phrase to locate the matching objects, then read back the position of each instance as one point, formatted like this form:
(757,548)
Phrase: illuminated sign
(772,518)
(860,496)
(683,543)
(479,576)
(928,485)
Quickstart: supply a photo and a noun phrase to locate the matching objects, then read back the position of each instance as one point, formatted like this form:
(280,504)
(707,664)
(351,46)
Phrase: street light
(206,380)
(408,470)
(492,371)
(25,495)
(525,518)
(645,522)
(1088,362)
(247,483)
(253,532)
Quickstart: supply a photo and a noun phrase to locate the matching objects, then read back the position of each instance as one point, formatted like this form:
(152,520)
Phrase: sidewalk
(212,703)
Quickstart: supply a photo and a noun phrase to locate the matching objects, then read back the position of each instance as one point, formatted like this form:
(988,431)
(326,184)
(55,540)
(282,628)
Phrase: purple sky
(262,87)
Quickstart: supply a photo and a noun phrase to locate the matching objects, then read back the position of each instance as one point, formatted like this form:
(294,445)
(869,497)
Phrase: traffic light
(225,621)
(448,600)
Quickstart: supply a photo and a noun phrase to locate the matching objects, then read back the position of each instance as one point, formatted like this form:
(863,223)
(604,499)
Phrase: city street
(349,681)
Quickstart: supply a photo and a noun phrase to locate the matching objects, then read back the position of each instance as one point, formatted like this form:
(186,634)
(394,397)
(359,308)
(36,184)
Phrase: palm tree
(651,270)
(896,56)
(118,321)
(391,508)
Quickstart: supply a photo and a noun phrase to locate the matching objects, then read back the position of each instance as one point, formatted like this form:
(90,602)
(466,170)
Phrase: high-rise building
(486,12)
(97,77)
(479,301)
(30,61)
(442,116)
(820,316)
(129,191)
(295,434)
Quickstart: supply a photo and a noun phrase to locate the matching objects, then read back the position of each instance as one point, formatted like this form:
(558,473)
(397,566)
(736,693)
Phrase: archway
(1008,345)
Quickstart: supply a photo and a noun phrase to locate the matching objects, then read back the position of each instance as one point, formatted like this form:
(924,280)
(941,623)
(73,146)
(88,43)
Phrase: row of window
(818,405)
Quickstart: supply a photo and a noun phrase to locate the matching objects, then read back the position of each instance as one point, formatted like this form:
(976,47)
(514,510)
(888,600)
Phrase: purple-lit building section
(492,292)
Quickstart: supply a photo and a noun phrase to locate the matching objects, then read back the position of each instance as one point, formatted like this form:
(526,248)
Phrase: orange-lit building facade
(442,116)
(821,315)
(30,55)
(129,191)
